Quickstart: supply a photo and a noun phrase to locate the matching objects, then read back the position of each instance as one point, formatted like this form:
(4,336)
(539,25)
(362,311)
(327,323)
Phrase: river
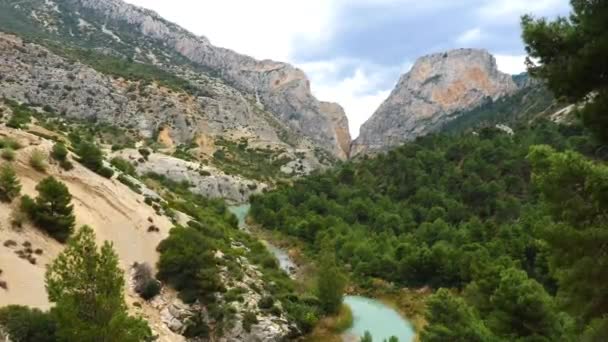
(285,262)
(368,314)
(379,319)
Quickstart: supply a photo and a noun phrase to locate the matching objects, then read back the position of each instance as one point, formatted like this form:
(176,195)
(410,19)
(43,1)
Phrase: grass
(331,328)
(38,160)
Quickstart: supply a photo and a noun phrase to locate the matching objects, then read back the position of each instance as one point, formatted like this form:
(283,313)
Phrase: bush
(123,165)
(90,155)
(10,143)
(38,161)
(144,153)
(126,181)
(20,119)
(145,284)
(249,319)
(151,290)
(8,154)
(266,303)
(28,325)
(17,218)
(187,263)
(51,210)
(105,172)
(9,184)
(66,165)
(59,152)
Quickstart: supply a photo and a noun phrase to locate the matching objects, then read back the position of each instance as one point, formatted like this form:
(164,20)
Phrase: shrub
(59,152)
(145,284)
(266,303)
(66,165)
(90,155)
(126,181)
(249,319)
(8,154)
(105,172)
(151,290)
(51,210)
(187,263)
(9,184)
(25,324)
(123,165)
(20,119)
(144,153)
(38,161)
(10,143)
(17,218)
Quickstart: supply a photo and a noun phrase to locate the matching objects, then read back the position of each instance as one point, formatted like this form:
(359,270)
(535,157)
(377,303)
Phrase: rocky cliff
(340,125)
(116,28)
(438,89)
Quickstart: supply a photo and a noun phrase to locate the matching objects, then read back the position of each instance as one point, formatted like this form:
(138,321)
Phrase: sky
(354,51)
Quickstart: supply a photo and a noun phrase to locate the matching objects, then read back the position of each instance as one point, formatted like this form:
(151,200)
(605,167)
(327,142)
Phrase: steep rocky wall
(435,91)
(281,88)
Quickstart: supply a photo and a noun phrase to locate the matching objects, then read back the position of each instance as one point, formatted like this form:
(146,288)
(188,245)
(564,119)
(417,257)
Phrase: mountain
(439,88)
(200,91)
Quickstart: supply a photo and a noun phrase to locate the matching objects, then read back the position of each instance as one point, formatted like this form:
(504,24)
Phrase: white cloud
(500,11)
(511,64)
(262,29)
(470,36)
(360,91)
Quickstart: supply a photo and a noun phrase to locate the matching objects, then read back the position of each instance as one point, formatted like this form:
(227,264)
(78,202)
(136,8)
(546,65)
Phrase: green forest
(510,231)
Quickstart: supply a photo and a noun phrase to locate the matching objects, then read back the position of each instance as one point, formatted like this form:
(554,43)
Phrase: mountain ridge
(438,86)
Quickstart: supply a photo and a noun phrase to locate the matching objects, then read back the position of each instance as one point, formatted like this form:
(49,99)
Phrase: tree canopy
(571,54)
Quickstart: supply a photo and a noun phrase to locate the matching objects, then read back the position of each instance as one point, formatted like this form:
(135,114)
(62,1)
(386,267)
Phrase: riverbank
(330,329)
(409,304)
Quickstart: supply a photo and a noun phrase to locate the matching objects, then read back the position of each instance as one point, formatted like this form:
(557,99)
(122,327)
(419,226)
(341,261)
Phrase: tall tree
(331,283)
(572,57)
(10,187)
(576,191)
(523,310)
(52,210)
(450,318)
(86,286)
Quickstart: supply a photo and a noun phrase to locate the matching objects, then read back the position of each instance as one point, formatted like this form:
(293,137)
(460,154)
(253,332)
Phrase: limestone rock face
(143,35)
(205,180)
(437,89)
(340,126)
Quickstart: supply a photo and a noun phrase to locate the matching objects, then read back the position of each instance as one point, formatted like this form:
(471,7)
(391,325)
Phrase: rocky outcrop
(204,180)
(121,28)
(438,89)
(340,126)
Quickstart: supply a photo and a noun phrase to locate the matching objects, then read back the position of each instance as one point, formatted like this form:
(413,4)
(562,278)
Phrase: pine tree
(51,210)
(10,187)
(451,319)
(331,283)
(575,190)
(573,58)
(86,286)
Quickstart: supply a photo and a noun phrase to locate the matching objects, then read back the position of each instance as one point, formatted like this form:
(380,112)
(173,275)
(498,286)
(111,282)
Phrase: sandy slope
(114,211)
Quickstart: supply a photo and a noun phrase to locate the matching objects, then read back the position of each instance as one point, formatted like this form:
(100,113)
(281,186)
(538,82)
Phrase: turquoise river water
(368,314)
(377,318)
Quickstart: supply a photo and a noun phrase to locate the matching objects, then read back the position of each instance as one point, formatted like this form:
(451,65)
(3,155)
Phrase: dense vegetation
(457,211)
(189,264)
